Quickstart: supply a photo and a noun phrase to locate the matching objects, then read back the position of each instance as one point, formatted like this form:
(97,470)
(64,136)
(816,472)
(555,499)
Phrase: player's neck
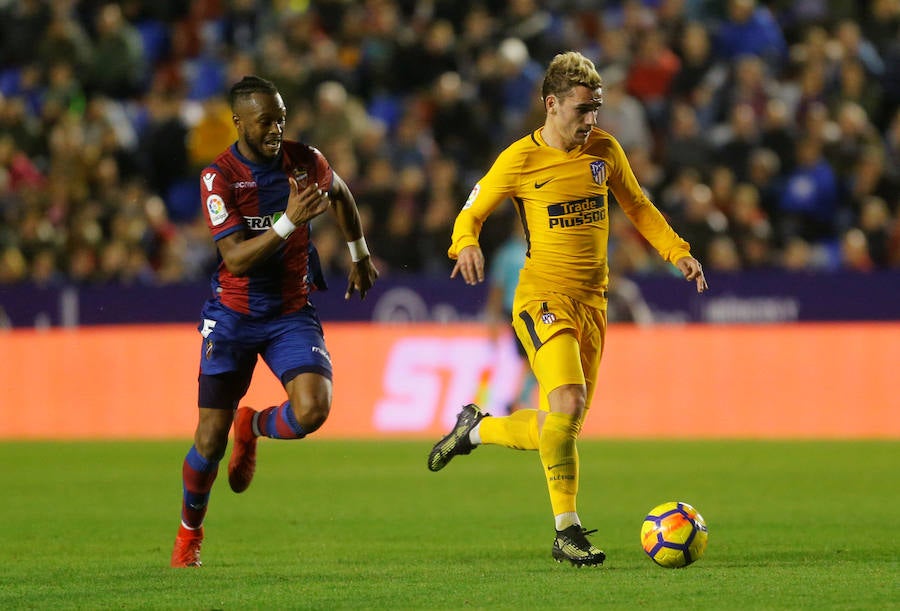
(250,155)
(553,139)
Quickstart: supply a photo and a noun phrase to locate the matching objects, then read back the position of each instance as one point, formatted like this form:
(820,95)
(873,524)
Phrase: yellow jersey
(561,198)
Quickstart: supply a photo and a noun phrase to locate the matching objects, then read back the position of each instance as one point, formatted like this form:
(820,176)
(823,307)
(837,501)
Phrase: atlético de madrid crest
(598,171)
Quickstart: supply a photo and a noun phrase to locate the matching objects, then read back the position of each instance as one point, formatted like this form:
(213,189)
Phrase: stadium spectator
(856,86)
(809,202)
(875,223)
(44,270)
(460,130)
(400,246)
(211,133)
(870,177)
(685,145)
(163,150)
(798,255)
(18,169)
(65,41)
(517,78)
(750,85)
(24,127)
(880,25)
(427,58)
(854,249)
(750,28)
(21,25)
(534,25)
(734,141)
(623,114)
(777,135)
(763,173)
(701,222)
(336,115)
(700,73)
(650,74)
(746,219)
(853,45)
(117,66)
(52,106)
(612,47)
(722,254)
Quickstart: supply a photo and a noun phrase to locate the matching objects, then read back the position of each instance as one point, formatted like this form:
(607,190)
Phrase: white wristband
(358,249)
(284,226)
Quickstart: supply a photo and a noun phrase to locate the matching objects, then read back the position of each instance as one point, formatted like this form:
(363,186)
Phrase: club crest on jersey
(215,205)
(598,171)
(208,180)
(302,177)
(547,317)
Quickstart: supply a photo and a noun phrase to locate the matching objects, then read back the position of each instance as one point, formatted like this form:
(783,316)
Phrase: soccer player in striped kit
(559,178)
(259,196)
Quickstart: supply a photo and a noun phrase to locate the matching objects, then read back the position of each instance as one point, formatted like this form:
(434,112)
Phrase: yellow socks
(518,430)
(559,455)
(556,445)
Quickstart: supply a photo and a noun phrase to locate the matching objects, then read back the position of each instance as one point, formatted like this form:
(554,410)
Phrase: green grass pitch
(364,525)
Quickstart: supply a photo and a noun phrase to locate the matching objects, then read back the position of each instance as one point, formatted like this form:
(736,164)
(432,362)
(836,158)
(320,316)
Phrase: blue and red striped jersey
(240,195)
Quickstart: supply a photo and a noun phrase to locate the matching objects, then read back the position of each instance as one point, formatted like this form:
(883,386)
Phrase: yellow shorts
(563,339)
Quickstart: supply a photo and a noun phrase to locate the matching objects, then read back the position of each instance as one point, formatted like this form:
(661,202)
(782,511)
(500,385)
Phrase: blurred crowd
(768,132)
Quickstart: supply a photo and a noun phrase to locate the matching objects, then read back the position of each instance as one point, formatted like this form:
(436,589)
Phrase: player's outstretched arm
(362,271)
(692,270)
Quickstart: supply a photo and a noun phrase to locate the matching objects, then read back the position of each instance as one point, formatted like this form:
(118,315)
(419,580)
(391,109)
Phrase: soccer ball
(674,535)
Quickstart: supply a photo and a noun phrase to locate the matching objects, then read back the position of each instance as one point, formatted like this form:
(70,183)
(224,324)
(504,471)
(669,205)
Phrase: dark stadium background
(768,132)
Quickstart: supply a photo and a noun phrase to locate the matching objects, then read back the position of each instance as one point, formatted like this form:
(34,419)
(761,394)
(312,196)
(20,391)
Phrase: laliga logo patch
(215,205)
(472,196)
(598,171)
(302,177)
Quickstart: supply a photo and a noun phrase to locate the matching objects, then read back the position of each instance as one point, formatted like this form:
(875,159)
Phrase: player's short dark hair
(250,85)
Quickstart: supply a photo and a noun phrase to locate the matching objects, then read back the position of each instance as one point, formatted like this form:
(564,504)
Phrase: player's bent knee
(211,445)
(211,435)
(314,416)
(568,399)
(310,396)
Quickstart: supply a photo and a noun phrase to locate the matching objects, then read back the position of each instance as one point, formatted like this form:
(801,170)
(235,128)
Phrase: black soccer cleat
(456,442)
(571,544)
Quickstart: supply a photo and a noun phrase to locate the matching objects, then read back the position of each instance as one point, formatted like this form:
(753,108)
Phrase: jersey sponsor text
(576,213)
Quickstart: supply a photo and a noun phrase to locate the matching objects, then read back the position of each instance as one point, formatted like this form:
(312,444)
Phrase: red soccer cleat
(187,548)
(243,456)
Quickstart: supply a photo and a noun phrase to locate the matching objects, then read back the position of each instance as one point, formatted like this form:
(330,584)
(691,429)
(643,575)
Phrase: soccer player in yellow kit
(559,178)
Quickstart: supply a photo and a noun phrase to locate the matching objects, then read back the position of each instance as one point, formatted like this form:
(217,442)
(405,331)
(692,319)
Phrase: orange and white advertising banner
(804,381)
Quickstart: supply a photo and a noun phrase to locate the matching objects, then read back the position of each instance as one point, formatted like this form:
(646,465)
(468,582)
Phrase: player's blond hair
(568,70)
